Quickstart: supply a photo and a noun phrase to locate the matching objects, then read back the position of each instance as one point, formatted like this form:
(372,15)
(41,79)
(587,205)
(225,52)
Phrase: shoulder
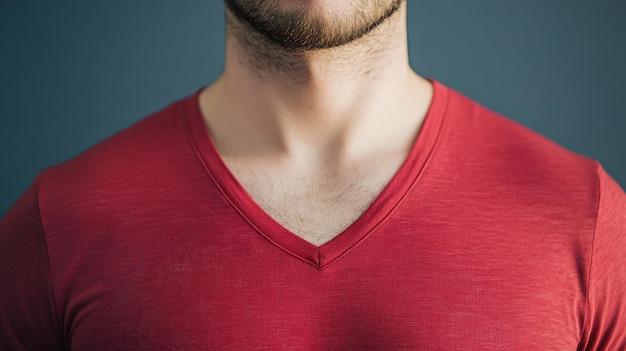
(128,148)
(117,167)
(514,165)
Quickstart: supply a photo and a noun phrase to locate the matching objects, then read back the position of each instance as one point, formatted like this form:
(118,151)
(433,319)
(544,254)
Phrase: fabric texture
(489,237)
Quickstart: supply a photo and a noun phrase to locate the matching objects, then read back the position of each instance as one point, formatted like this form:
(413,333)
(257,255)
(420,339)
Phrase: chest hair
(315,208)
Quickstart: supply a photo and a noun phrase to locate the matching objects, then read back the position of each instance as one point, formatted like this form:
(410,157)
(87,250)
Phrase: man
(319,195)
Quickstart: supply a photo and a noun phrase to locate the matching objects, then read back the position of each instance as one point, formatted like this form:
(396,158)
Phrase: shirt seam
(45,240)
(584,330)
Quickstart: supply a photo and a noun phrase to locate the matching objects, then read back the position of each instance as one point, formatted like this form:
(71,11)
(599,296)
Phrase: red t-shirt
(489,237)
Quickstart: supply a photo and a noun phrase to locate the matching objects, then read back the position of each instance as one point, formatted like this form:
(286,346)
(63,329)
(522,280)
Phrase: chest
(425,279)
(408,303)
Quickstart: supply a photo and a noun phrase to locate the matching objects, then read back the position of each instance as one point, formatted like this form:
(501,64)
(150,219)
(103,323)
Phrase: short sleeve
(28,318)
(605,323)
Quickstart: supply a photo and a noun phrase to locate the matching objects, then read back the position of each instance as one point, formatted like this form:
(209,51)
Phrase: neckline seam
(413,182)
(196,149)
(314,256)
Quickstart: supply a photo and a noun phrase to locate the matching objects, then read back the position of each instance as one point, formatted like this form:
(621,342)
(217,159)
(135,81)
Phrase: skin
(315,115)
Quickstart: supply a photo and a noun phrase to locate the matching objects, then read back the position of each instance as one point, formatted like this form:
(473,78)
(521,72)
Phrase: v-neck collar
(381,208)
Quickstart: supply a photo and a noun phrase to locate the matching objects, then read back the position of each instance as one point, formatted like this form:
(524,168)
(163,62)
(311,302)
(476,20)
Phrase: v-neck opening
(382,207)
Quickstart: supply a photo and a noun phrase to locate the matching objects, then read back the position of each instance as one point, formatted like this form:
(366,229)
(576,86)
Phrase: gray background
(74,72)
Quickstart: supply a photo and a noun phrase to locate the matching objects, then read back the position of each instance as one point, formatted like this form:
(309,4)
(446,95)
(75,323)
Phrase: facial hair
(302,29)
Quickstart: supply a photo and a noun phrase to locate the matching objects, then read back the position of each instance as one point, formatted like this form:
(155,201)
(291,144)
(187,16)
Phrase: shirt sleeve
(28,316)
(605,323)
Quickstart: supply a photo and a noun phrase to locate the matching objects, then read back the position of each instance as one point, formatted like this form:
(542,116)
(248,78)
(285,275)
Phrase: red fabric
(490,237)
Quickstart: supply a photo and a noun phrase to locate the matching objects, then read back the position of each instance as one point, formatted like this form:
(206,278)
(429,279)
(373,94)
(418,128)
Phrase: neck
(318,103)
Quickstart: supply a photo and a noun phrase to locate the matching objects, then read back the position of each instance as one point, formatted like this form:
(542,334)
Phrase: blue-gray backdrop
(73,72)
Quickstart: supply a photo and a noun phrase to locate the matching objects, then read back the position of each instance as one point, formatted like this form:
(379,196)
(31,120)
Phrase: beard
(305,29)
